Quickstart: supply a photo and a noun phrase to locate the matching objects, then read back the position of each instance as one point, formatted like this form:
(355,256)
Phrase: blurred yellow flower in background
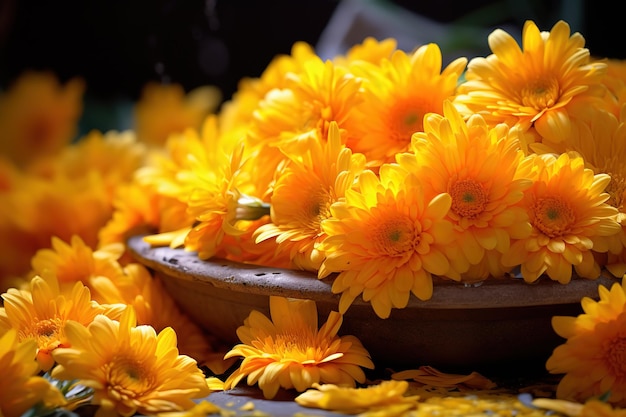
(39,116)
(289,351)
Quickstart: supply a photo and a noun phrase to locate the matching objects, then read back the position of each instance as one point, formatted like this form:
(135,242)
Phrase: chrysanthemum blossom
(21,388)
(477,165)
(303,194)
(385,240)
(388,398)
(289,350)
(132,369)
(536,86)
(398,93)
(593,355)
(568,212)
(41,313)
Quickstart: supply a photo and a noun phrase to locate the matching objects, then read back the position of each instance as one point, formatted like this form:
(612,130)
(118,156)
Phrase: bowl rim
(507,292)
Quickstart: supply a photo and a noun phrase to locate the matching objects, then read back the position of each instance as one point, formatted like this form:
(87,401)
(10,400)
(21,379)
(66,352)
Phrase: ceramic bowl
(500,324)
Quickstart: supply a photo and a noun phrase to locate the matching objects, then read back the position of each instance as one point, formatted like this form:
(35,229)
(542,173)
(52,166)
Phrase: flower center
(298,347)
(615,355)
(469,198)
(395,236)
(552,216)
(407,119)
(46,332)
(541,94)
(128,377)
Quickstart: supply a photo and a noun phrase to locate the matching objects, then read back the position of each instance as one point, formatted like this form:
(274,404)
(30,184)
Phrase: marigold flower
(42,312)
(592,357)
(539,87)
(385,240)
(21,387)
(131,368)
(386,398)
(289,351)
(315,181)
(477,166)
(398,93)
(568,213)
(39,115)
(163,109)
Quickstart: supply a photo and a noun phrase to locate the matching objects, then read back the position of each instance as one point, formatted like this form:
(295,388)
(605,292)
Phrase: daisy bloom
(314,180)
(39,115)
(537,86)
(477,166)
(289,351)
(388,397)
(568,212)
(132,369)
(398,93)
(20,386)
(592,357)
(385,240)
(41,313)
(163,109)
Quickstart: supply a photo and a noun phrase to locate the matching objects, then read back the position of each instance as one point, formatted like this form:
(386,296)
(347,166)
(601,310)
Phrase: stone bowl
(502,325)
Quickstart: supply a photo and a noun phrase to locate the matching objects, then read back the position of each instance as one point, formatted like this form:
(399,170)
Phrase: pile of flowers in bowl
(380,169)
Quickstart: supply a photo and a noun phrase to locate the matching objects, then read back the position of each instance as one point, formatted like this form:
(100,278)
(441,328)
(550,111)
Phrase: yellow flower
(38,116)
(41,313)
(398,93)
(163,109)
(592,357)
(289,351)
(387,398)
(591,408)
(568,213)
(615,82)
(386,240)
(540,87)
(477,166)
(20,386)
(131,368)
(314,180)
(370,50)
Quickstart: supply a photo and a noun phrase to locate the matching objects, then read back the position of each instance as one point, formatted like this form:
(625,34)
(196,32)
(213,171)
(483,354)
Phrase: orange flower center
(395,236)
(541,94)
(298,347)
(128,377)
(407,118)
(46,332)
(552,216)
(615,355)
(469,198)
(315,209)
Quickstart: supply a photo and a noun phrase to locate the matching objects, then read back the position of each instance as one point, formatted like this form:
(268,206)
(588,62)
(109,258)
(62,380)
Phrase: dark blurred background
(117,46)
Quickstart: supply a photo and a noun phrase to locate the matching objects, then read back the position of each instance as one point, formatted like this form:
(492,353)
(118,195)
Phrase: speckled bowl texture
(502,324)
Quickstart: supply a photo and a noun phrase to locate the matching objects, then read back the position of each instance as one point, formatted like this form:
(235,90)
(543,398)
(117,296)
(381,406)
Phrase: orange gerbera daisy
(592,358)
(20,386)
(315,181)
(568,213)
(39,116)
(386,240)
(477,166)
(540,86)
(289,351)
(41,313)
(398,93)
(131,368)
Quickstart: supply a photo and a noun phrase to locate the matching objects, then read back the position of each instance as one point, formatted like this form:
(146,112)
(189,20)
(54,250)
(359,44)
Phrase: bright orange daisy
(568,213)
(289,350)
(385,240)
(315,181)
(477,166)
(592,357)
(398,93)
(540,86)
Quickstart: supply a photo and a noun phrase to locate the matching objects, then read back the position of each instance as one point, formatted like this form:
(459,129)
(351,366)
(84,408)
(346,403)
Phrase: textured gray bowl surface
(502,324)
